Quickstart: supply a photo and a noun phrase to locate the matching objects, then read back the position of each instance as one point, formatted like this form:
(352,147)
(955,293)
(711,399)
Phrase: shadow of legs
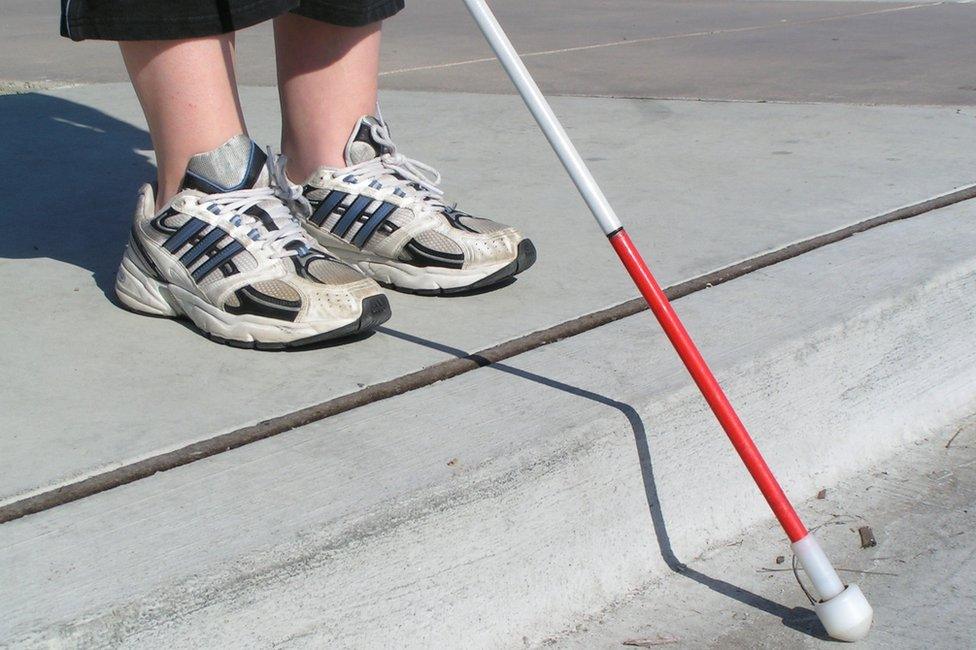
(798,618)
(69,183)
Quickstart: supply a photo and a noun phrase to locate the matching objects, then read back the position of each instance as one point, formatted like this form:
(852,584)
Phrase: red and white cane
(843,609)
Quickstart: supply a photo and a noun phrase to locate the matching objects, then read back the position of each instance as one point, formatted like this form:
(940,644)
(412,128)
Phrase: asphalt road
(859,52)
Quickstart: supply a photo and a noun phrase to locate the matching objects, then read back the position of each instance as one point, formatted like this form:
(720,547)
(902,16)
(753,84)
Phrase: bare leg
(327,77)
(188,93)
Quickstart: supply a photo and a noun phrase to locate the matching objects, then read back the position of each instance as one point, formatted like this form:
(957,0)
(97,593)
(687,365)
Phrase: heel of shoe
(140,291)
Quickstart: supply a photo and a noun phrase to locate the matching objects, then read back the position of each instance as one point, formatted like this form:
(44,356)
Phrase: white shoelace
(393,170)
(276,198)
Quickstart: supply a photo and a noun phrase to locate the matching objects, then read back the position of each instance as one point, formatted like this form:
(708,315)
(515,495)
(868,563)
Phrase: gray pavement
(770,50)
(920,578)
(514,500)
(747,51)
(111,373)
(505,506)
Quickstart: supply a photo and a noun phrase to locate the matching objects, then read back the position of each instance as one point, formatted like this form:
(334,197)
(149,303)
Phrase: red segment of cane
(714,395)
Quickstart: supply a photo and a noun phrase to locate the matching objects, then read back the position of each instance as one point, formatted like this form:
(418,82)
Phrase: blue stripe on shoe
(329,203)
(201,247)
(375,220)
(225,254)
(183,235)
(352,213)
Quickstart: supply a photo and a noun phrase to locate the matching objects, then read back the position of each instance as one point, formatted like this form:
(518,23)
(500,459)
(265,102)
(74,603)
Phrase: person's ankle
(295,173)
(165,191)
(303,161)
(169,177)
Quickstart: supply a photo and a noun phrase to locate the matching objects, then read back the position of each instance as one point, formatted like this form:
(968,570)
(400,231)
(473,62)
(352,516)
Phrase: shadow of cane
(801,619)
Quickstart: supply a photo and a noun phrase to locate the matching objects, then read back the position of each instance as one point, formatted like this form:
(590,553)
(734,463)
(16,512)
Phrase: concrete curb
(542,533)
(32,503)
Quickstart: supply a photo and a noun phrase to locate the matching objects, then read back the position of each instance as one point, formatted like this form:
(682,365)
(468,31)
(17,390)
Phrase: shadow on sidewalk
(69,183)
(801,619)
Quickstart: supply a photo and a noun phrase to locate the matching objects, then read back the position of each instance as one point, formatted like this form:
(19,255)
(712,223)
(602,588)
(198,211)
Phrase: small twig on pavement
(867,537)
(956,434)
(650,643)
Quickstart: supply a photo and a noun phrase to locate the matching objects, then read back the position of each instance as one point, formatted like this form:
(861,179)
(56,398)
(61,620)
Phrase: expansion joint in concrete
(463,363)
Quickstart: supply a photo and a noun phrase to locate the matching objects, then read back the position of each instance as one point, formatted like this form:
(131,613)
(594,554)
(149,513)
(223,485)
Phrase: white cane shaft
(543,114)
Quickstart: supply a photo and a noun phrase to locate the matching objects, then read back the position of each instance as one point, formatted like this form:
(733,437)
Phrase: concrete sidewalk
(921,576)
(506,506)
(90,387)
(509,502)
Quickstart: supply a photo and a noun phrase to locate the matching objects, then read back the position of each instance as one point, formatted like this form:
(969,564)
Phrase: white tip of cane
(847,616)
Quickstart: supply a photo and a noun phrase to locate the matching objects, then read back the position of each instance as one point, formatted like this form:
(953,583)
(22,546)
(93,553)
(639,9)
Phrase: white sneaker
(384,214)
(228,253)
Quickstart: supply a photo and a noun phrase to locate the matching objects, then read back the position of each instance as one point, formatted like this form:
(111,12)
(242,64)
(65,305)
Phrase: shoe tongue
(361,145)
(238,164)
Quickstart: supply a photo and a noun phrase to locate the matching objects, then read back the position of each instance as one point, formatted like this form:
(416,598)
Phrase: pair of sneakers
(256,261)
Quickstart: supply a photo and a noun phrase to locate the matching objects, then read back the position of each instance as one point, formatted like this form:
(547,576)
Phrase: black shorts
(147,20)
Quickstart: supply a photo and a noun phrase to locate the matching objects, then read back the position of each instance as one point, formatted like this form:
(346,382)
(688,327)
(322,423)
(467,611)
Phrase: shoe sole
(396,275)
(525,257)
(376,311)
(422,280)
(140,292)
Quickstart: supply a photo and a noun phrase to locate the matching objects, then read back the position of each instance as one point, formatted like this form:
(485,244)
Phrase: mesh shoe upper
(390,206)
(230,236)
